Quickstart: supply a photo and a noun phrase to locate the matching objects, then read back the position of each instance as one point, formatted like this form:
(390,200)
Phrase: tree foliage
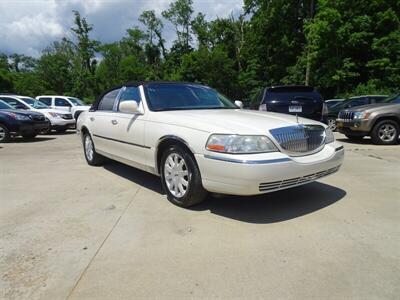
(341,47)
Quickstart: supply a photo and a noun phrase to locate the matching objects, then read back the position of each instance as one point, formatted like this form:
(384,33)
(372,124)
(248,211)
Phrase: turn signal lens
(216,147)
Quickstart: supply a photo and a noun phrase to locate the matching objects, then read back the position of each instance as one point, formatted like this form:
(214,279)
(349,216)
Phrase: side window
(358,102)
(130,93)
(61,102)
(45,100)
(108,100)
(14,103)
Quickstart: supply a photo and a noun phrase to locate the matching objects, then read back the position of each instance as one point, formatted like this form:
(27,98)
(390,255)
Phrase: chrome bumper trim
(249,162)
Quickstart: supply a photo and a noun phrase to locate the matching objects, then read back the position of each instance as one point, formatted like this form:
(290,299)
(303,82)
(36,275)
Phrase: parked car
(198,141)
(14,122)
(59,120)
(380,121)
(330,114)
(70,104)
(331,102)
(304,101)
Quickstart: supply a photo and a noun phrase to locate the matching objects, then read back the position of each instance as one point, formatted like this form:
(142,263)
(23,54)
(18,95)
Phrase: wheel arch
(166,141)
(386,117)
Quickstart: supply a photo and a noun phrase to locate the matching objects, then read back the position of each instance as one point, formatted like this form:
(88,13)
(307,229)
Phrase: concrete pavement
(68,230)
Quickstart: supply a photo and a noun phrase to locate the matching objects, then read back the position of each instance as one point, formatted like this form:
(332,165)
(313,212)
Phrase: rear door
(127,129)
(101,125)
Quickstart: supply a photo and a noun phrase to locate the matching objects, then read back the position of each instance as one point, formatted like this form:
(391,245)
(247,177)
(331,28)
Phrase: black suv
(300,100)
(16,122)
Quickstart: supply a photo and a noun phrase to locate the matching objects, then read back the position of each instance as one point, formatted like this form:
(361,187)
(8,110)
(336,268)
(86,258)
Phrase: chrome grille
(300,138)
(346,115)
(287,183)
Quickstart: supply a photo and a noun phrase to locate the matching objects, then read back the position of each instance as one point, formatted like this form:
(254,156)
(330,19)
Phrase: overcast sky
(28,26)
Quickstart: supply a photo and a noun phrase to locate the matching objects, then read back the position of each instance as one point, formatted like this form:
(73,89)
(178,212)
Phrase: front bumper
(355,126)
(58,123)
(262,173)
(21,128)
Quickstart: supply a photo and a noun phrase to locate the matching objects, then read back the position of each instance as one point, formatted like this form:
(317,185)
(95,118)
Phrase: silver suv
(380,121)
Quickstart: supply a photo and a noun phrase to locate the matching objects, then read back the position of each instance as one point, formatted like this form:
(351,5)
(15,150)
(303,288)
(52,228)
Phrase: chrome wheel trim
(2,133)
(387,132)
(176,175)
(89,148)
(332,124)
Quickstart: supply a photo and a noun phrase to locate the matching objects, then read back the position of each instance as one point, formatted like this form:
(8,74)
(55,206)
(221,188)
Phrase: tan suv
(380,121)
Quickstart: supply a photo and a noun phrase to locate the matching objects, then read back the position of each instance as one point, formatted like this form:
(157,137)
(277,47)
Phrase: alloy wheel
(387,132)
(2,133)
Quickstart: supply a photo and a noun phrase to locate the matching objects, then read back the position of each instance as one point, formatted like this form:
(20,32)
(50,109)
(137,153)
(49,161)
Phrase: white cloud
(29,26)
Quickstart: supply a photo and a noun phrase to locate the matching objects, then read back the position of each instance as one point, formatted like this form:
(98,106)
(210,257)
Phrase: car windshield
(4,105)
(392,99)
(76,101)
(171,96)
(34,103)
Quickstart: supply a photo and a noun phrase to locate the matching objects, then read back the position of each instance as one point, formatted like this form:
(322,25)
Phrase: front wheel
(92,157)
(4,134)
(181,177)
(385,132)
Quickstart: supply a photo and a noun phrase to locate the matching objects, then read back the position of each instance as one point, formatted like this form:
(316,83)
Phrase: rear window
(291,93)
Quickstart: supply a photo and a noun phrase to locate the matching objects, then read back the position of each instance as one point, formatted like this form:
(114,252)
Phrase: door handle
(114,122)
(91,119)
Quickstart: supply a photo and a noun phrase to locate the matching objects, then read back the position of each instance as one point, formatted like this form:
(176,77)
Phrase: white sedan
(198,141)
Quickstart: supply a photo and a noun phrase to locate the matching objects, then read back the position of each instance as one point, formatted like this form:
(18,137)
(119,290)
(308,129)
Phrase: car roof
(361,96)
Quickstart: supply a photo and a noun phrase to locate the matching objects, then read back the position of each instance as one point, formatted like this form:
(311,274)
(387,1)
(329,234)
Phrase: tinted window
(61,102)
(108,100)
(4,105)
(130,93)
(358,102)
(76,101)
(45,100)
(378,99)
(34,103)
(289,95)
(185,96)
(14,103)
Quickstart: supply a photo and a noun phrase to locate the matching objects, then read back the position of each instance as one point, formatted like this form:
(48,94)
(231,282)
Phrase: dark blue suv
(14,122)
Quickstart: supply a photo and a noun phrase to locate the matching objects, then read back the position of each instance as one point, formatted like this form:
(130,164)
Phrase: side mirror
(129,107)
(239,103)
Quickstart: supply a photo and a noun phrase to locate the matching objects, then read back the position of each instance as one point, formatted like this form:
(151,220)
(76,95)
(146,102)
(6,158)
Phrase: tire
(46,131)
(174,174)
(331,122)
(354,137)
(63,130)
(92,157)
(29,135)
(4,134)
(385,132)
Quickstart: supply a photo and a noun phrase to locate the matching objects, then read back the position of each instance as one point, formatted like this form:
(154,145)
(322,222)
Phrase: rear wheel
(385,132)
(4,134)
(181,177)
(92,157)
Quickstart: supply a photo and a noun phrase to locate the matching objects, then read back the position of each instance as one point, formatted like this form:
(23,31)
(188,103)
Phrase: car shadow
(267,208)
(33,140)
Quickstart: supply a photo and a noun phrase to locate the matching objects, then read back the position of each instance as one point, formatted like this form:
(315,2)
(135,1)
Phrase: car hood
(22,112)
(233,121)
(371,107)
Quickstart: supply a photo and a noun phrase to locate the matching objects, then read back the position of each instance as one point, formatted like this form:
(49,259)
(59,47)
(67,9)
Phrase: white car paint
(55,121)
(134,140)
(72,107)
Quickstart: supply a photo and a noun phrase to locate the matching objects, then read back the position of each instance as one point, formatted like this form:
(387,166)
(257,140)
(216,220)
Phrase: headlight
(240,144)
(361,115)
(329,137)
(54,115)
(18,116)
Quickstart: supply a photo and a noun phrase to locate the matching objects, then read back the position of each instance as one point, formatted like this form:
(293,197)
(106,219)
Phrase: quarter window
(108,100)
(61,102)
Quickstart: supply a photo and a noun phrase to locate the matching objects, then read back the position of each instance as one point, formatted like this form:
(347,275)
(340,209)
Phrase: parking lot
(68,230)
